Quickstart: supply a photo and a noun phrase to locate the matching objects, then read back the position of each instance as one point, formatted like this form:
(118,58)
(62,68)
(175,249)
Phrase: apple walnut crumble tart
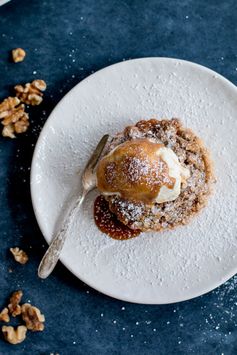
(155,175)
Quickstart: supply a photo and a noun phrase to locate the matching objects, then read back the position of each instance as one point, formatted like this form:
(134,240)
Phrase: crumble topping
(194,191)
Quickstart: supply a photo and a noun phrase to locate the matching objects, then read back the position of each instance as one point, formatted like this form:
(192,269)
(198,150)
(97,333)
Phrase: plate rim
(34,162)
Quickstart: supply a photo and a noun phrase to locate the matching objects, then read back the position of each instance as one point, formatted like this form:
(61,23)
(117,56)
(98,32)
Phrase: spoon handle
(52,254)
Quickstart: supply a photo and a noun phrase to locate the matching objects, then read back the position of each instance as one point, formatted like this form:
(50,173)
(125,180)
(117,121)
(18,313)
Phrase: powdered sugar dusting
(134,170)
(109,224)
(137,168)
(156,267)
(194,191)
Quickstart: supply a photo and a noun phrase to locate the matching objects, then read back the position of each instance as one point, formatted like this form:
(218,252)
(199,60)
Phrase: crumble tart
(193,190)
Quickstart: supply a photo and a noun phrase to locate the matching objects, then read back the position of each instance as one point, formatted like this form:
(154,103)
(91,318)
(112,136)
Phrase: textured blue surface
(65,41)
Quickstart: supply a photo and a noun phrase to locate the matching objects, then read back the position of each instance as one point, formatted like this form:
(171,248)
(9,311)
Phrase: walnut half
(31,93)
(32,317)
(14,307)
(14,336)
(13,116)
(19,255)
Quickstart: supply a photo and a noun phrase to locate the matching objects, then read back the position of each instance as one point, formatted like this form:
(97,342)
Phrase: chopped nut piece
(32,317)
(15,115)
(7,105)
(22,125)
(18,55)
(8,131)
(39,84)
(14,336)
(19,255)
(14,118)
(14,307)
(31,93)
(4,316)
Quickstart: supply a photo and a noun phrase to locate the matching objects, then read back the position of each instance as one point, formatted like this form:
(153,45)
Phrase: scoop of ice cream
(141,170)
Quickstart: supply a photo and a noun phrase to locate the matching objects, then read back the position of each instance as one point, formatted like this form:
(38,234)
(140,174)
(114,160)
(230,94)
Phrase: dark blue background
(65,41)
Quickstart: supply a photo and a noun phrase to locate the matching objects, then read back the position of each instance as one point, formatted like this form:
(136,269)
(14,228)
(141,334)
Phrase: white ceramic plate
(154,268)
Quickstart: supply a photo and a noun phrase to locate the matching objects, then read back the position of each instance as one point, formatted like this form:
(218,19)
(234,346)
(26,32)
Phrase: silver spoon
(53,252)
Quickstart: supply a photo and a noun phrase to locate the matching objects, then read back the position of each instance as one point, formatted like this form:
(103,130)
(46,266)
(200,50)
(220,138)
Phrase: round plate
(154,268)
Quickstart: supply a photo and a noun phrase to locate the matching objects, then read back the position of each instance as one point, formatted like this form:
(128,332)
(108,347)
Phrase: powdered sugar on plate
(155,267)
